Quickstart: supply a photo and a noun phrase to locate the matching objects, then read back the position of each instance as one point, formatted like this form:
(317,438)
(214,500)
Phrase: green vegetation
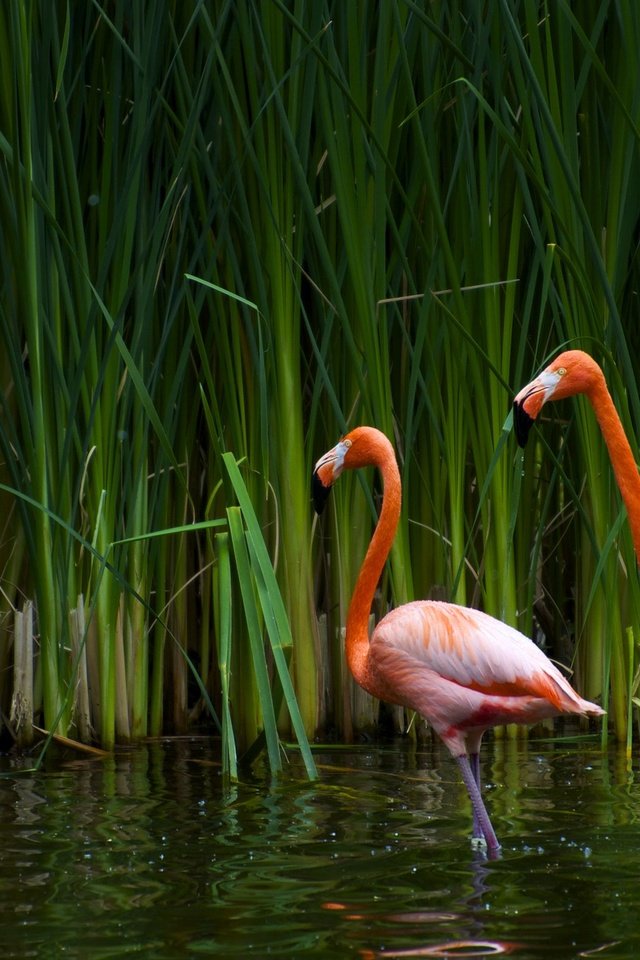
(231,229)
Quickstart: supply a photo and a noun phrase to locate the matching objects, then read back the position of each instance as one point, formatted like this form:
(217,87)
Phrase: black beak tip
(522,423)
(320,493)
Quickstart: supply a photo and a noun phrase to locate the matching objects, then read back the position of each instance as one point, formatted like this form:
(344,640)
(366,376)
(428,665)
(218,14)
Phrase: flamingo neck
(357,632)
(621,455)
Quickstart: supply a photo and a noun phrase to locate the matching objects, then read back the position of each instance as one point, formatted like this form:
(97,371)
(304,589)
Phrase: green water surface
(145,854)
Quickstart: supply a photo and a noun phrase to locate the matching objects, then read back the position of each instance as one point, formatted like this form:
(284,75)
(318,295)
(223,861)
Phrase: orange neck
(620,453)
(357,633)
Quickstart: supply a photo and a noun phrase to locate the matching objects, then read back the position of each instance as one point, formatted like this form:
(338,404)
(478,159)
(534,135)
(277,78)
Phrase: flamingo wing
(463,669)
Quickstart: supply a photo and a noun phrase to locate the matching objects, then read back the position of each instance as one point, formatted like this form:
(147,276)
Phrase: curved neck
(357,632)
(621,455)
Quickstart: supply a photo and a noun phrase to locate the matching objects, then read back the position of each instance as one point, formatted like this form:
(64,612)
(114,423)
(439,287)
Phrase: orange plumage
(574,372)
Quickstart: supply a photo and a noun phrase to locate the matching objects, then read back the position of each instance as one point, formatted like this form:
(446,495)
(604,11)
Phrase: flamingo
(576,372)
(461,669)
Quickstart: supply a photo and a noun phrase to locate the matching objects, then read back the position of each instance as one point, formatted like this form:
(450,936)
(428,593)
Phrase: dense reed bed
(231,229)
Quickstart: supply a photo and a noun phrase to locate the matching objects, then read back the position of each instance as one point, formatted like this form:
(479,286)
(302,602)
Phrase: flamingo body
(461,669)
(464,671)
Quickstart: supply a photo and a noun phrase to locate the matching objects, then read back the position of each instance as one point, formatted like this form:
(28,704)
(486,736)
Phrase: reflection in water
(454,948)
(144,852)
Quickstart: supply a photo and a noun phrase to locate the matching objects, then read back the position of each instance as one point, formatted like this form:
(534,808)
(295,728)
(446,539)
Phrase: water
(144,854)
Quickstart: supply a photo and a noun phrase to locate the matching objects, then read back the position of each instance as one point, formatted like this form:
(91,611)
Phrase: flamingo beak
(528,403)
(326,472)
(522,422)
(320,492)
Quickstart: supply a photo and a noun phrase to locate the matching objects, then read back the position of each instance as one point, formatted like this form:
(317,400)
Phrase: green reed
(591,237)
(232,230)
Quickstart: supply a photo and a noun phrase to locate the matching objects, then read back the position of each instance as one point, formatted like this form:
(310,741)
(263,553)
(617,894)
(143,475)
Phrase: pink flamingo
(576,372)
(459,668)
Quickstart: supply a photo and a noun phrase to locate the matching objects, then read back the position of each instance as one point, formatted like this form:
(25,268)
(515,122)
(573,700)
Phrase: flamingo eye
(347,444)
(561,371)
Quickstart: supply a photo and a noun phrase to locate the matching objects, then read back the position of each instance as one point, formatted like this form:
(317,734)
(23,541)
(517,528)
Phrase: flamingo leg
(481,822)
(474,761)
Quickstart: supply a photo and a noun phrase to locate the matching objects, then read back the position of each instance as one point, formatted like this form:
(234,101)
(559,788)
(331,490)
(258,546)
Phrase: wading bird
(576,372)
(459,668)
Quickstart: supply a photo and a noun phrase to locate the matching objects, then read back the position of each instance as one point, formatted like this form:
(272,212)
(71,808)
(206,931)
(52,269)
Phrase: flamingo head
(572,372)
(363,447)
(326,472)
